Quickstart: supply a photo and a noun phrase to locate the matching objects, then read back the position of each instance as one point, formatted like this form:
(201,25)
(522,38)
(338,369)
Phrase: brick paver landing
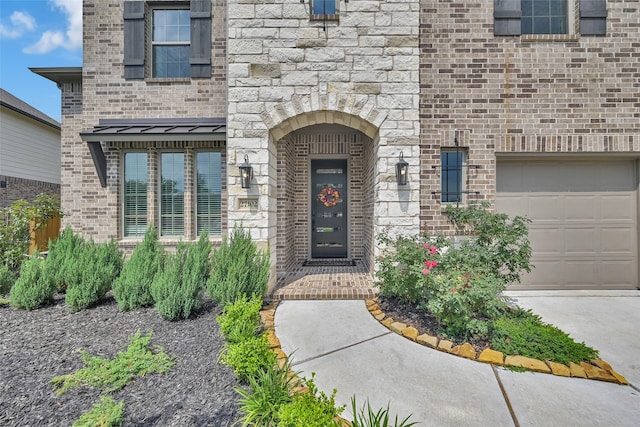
(325,282)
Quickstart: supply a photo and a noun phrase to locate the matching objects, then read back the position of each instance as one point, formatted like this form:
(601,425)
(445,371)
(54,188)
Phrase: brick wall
(27,189)
(105,94)
(522,94)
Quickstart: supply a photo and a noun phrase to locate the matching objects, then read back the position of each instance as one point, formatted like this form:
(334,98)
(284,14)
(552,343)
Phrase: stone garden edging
(593,369)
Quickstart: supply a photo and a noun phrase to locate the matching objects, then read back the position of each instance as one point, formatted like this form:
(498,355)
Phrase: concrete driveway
(350,351)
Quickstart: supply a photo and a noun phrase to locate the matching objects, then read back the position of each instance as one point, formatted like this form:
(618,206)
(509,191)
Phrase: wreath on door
(329,196)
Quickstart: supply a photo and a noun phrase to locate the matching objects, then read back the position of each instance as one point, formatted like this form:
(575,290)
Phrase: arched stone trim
(355,111)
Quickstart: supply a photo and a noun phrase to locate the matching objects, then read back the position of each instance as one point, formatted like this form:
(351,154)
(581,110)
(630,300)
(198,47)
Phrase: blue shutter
(200,57)
(134,40)
(506,17)
(593,17)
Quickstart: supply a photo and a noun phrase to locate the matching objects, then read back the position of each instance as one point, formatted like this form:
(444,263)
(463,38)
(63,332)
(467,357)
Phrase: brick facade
(27,189)
(397,76)
(527,94)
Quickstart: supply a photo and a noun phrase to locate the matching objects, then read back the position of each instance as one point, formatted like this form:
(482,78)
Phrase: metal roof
(113,130)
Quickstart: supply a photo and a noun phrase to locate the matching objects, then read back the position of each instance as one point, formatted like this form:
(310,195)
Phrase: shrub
(524,333)
(177,290)
(132,289)
(32,289)
(458,283)
(237,268)
(500,244)
(240,320)
(465,302)
(14,226)
(312,409)
(92,275)
(64,255)
(402,266)
(270,389)
(249,357)
(7,279)
(140,359)
(366,417)
(107,413)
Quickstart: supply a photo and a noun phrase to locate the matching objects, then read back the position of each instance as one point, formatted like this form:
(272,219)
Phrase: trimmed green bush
(63,257)
(7,279)
(240,320)
(237,268)
(249,357)
(313,409)
(93,274)
(33,288)
(177,290)
(132,289)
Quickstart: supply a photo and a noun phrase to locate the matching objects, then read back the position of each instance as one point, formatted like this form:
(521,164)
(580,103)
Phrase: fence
(40,237)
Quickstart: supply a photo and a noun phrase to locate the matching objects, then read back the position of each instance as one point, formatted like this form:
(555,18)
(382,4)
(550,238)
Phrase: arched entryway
(326,237)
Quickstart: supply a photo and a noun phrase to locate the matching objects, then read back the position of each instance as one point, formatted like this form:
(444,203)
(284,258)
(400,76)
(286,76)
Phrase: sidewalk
(349,350)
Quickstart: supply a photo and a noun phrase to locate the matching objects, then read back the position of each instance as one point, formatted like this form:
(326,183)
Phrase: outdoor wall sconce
(246,173)
(402,170)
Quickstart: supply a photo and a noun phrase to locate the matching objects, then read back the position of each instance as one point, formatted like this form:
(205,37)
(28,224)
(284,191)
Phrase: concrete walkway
(349,350)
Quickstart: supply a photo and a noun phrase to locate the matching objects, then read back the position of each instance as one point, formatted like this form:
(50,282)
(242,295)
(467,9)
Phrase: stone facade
(290,73)
(400,76)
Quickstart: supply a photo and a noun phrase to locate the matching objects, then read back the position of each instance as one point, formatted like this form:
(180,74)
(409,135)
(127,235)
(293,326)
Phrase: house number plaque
(248,204)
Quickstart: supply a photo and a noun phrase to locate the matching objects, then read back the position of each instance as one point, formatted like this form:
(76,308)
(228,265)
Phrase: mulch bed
(36,346)
(423,321)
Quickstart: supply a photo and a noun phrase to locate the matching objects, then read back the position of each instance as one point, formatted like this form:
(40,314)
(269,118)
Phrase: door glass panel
(329,209)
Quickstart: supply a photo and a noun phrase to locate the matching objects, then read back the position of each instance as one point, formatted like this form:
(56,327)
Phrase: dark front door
(329,208)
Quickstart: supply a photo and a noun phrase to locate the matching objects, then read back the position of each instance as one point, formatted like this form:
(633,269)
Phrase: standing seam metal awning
(128,130)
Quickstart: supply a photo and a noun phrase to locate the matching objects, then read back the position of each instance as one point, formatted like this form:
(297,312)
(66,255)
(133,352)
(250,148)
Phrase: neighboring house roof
(9,101)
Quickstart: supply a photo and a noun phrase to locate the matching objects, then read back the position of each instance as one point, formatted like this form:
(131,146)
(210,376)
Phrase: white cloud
(71,39)
(21,22)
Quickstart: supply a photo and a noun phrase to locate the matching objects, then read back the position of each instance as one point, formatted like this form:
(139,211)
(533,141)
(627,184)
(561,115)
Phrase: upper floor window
(324,9)
(167,41)
(170,42)
(544,17)
(541,17)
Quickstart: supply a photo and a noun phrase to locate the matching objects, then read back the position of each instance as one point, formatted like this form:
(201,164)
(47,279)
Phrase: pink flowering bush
(459,284)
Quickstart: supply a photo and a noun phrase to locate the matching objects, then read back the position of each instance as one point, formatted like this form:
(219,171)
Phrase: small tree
(177,291)
(93,274)
(63,257)
(15,229)
(7,279)
(237,268)
(33,288)
(132,289)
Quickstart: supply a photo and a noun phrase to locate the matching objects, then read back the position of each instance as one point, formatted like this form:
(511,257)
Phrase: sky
(40,34)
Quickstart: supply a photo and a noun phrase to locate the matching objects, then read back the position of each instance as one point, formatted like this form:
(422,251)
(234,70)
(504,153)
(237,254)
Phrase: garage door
(584,232)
